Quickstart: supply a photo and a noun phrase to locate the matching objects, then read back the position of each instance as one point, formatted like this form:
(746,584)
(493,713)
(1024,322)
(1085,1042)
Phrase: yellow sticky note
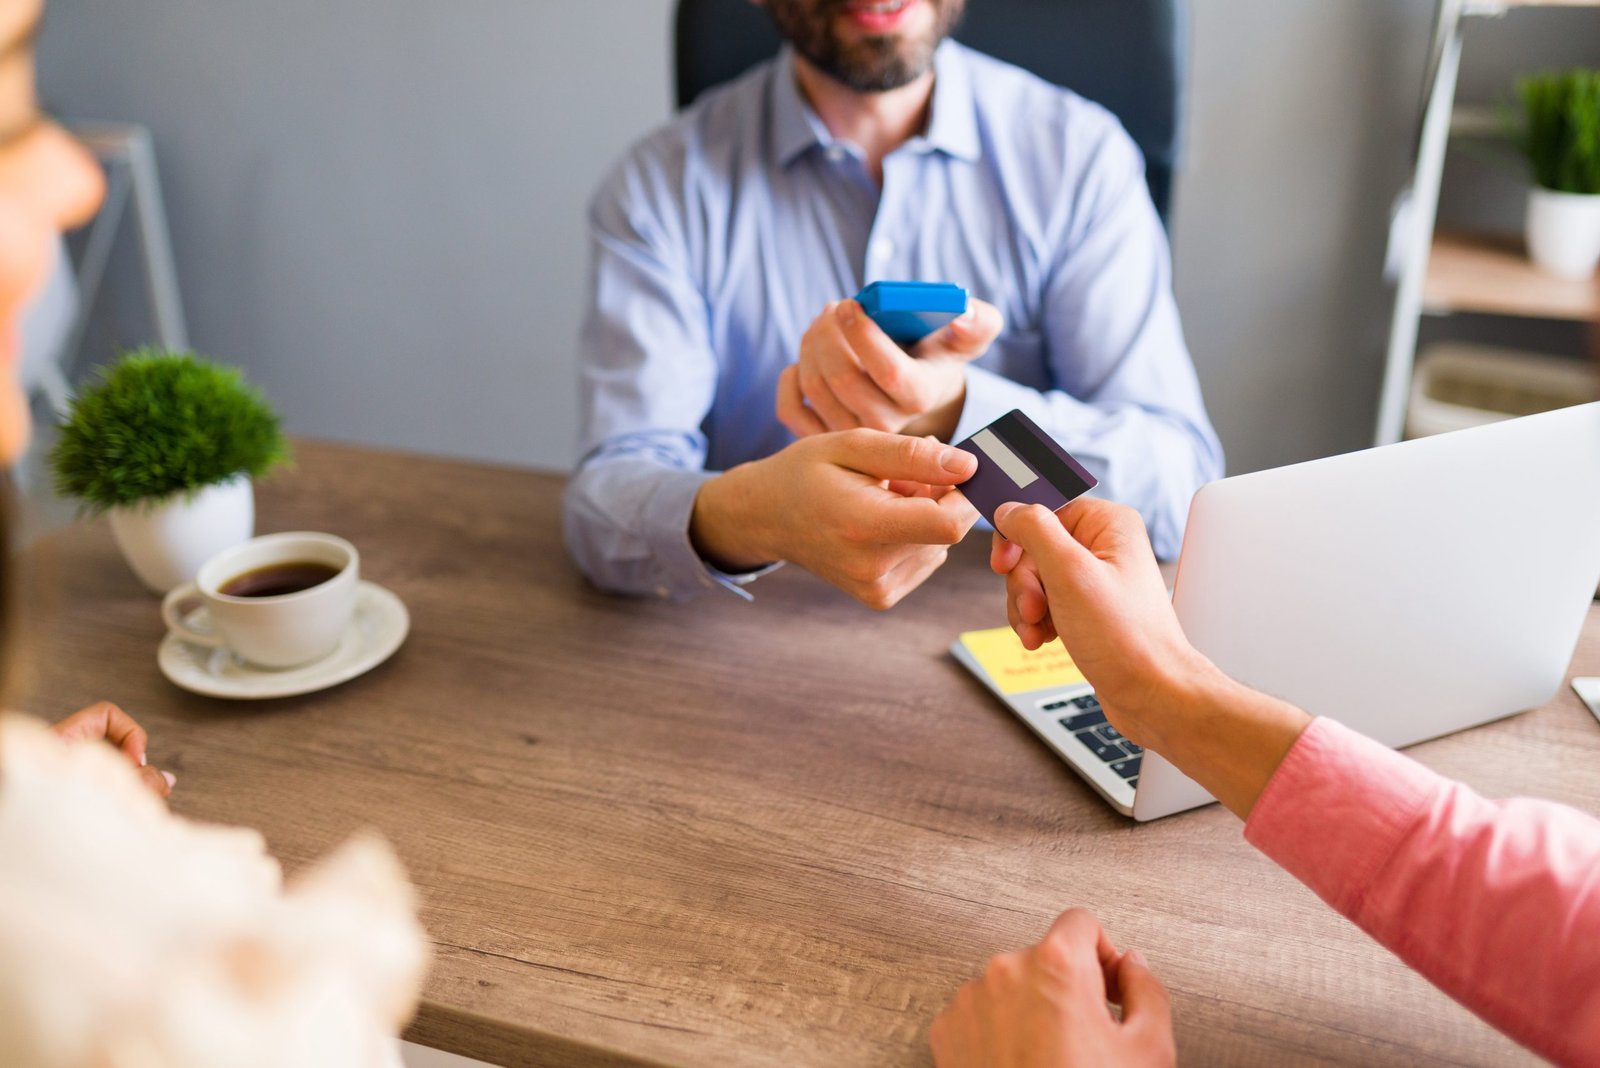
(1013,668)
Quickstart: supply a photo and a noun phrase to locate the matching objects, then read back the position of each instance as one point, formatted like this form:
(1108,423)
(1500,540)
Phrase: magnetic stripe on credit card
(1017,434)
(1003,457)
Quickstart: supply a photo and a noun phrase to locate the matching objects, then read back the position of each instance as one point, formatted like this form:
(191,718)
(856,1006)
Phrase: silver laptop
(1408,591)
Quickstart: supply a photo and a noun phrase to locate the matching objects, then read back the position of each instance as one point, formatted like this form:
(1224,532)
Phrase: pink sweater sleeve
(1496,902)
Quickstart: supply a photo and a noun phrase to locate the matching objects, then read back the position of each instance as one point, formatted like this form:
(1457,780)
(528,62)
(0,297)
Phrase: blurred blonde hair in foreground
(134,938)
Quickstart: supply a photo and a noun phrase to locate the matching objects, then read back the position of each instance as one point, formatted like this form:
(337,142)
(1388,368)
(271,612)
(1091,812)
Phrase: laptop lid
(1407,591)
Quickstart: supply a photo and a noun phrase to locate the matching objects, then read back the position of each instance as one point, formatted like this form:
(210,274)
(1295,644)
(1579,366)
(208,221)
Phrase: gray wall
(377,204)
(1300,120)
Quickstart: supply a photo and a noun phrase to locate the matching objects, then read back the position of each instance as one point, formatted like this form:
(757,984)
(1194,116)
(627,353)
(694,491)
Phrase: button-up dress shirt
(719,238)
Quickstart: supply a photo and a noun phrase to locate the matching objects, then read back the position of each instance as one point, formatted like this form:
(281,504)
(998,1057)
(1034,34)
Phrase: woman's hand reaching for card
(1088,575)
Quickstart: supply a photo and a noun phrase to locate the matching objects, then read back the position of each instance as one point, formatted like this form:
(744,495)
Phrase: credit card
(1019,462)
(910,311)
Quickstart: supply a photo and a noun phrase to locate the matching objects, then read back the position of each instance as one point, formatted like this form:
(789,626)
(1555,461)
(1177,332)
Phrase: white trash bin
(1459,385)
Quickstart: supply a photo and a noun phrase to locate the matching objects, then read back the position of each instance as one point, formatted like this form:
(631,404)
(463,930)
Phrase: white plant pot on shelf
(166,541)
(1564,232)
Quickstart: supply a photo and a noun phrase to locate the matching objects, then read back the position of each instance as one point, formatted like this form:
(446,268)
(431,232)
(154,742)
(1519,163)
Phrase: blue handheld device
(910,311)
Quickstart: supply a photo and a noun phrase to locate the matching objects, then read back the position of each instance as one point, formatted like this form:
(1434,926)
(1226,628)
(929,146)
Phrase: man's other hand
(849,374)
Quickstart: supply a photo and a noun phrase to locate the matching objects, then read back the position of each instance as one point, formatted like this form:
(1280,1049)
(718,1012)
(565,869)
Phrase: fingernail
(1004,510)
(172,780)
(846,312)
(143,760)
(955,461)
(1137,958)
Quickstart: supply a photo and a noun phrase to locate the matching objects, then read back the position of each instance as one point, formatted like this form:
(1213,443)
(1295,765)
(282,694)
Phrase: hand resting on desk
(104,721)
(1046,1005)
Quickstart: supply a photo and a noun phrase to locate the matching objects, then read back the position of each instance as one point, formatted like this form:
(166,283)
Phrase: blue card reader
(910,311)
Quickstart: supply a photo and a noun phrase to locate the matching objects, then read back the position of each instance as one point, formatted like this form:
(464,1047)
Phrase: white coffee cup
(273,631)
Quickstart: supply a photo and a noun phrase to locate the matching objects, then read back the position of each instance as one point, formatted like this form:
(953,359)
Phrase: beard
(876,63)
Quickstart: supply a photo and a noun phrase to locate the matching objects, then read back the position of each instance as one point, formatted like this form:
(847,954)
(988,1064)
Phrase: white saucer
(379,626)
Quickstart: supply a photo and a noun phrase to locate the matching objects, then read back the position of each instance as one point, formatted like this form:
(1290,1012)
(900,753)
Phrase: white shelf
(1493,276)
(1482,121)
(1443,273)
(1499,7)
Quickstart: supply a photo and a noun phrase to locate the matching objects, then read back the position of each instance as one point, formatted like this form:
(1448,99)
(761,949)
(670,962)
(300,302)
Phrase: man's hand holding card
(871,512)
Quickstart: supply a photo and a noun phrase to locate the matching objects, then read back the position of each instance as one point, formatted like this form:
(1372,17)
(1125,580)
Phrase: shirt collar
(795,127)
(952,125)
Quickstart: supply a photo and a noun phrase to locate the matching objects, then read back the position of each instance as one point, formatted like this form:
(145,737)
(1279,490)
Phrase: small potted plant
(167,444)
(1560,137)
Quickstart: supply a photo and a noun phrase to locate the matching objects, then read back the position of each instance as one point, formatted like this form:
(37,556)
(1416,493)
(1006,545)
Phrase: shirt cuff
(683,573)
(1336,809)
(989,396)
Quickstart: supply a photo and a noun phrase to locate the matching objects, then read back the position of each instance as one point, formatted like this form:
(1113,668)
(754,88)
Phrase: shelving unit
(1492,276)
(1441,273)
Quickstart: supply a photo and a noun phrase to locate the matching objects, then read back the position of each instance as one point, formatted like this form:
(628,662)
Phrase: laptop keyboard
(1086,720)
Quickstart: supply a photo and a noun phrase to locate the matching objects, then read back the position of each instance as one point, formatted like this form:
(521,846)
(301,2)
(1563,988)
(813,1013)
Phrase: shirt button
(835,153)
(662,591)
(883,248)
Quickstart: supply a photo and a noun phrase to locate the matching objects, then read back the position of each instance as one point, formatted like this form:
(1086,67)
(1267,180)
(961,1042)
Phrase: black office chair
(1127,55)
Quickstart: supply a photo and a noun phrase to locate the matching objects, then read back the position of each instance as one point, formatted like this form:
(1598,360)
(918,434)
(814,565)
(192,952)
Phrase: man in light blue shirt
(739,411)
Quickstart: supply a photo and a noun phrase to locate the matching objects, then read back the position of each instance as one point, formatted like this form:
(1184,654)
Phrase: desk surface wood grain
(721,833)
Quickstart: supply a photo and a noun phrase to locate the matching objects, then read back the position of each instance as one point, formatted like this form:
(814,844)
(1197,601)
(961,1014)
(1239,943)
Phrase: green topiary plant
(1560,132)
(159,423)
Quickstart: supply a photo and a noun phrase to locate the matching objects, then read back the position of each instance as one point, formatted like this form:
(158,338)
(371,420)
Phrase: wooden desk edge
(484,1038)
(316,444)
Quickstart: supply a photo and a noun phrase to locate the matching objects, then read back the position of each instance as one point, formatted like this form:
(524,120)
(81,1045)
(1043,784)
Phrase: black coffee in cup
(275,580)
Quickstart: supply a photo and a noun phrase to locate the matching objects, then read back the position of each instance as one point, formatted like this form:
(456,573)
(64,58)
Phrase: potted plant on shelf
(167,444)
(1560,137)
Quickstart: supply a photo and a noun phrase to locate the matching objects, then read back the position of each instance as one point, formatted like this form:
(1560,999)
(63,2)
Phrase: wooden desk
(777,833)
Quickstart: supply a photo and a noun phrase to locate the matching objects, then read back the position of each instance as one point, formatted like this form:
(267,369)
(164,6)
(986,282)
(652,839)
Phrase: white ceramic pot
(1564,232)
(166,541)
